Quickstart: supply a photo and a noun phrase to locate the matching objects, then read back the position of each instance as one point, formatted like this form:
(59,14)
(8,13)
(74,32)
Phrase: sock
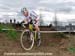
(38,34)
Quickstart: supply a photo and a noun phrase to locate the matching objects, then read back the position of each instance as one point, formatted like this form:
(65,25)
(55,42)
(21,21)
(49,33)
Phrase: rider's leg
(38,31)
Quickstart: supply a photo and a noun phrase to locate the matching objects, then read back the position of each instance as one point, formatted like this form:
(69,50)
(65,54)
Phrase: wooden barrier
(40,31)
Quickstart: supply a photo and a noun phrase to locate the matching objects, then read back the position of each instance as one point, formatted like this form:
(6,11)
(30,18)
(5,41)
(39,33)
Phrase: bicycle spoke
(27,40)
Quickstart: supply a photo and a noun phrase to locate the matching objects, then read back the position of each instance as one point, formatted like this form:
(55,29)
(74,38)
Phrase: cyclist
(33,18)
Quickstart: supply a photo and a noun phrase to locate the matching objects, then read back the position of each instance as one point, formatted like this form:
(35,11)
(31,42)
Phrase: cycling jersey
(32,18)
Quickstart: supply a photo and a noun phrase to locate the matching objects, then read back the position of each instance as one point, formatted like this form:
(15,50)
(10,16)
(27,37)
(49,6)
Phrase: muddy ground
(50,44)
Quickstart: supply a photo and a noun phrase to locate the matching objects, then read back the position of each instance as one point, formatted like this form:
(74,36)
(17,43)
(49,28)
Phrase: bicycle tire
(21,41)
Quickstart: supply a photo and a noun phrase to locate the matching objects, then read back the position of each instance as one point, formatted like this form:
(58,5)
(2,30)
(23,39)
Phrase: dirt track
(50,44)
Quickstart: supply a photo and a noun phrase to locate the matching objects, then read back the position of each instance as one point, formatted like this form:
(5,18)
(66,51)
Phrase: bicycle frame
(31,29)
(33,37)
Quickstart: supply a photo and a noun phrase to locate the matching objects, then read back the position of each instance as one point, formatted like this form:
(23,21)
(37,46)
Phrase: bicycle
(28,37)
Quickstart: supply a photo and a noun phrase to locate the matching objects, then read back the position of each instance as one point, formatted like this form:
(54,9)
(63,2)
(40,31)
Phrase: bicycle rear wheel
(27,40)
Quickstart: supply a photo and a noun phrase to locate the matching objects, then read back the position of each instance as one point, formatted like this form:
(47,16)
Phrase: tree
(41,19)
(70,25)
(10,20)
(14,21)
(55,21)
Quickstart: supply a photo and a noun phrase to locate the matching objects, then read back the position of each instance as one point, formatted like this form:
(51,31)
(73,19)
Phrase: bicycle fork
(35,34)
(31,36)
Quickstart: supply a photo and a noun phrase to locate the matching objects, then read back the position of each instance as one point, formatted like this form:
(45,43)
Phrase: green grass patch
(1,27)
(11,34)
(60,35)
(52,44)
(71,49)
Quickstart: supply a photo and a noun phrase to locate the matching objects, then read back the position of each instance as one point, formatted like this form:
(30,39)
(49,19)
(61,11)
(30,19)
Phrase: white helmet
(24,9)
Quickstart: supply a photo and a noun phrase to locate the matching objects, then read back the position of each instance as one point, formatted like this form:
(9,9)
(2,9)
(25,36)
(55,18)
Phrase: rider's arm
(24,22)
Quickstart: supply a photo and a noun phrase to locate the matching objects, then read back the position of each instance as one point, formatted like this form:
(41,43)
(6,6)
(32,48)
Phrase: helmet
(24,9)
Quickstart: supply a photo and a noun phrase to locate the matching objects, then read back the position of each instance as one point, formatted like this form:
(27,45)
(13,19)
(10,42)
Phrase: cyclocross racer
(33,18)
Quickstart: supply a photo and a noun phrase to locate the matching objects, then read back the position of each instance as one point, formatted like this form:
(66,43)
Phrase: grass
(52,44)
(71,49)
(10,33)
(59,35)
(1,27)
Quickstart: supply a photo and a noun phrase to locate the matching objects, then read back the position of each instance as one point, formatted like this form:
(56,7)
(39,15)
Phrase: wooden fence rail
(40,31)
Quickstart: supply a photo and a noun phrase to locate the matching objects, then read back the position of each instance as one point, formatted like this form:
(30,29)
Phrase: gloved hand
(23,24)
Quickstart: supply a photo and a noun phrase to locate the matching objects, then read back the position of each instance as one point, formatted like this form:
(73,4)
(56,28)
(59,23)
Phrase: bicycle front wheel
(27,40)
